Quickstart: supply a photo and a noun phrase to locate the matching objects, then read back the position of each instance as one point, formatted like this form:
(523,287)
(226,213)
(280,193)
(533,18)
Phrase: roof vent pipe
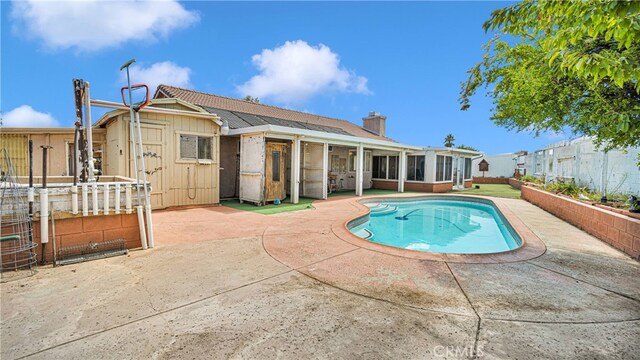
(224,130)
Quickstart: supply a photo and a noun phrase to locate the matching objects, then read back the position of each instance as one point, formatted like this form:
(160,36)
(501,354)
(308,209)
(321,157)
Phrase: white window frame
(444,171)
(424,169)
(470,168)
(181,160)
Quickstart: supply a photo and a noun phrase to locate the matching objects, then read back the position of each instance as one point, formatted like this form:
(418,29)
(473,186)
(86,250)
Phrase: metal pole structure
(30,198)
(141,225)
(147,199)
(44,204)
(91,177)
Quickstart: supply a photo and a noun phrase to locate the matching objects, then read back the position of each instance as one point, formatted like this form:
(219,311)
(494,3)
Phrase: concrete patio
(223,283)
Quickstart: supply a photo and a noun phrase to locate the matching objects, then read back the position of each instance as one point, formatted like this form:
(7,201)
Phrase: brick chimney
(374,123)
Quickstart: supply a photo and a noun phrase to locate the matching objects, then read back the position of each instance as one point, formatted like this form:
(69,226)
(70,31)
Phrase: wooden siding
(174,181)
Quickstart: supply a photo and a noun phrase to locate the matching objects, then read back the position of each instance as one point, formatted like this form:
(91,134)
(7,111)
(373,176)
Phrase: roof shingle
(240,113)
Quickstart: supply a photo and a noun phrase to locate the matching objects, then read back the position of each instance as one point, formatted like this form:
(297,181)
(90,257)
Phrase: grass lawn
(497,190)
(305,203)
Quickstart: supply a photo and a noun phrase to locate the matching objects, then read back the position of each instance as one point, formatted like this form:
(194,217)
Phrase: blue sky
(339,59)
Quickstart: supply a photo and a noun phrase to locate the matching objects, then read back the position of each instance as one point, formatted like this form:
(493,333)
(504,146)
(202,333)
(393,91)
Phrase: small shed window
(196,147)
(275,166)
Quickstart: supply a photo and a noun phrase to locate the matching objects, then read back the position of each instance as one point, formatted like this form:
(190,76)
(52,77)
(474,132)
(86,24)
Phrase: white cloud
(296,71)
(91,25)
(165,72)
(26,116)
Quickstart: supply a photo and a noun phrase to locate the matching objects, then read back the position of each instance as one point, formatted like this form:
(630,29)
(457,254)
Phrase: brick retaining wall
(515,183)
(83,230)
(414,186)
(619,231)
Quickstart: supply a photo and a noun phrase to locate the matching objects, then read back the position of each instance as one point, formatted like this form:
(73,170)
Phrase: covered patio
(308,163)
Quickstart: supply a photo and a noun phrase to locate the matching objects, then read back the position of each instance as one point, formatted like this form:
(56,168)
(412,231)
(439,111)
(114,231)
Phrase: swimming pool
(441,224)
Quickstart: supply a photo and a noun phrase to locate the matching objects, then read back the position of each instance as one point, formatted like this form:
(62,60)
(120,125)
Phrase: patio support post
(325,170)
(359,169)
(402,170)
(295,170)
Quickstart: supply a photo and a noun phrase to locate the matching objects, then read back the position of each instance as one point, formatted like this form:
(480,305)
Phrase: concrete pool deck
(224,283)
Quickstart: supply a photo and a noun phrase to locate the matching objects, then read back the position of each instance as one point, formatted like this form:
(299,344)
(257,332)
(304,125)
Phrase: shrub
(531,179)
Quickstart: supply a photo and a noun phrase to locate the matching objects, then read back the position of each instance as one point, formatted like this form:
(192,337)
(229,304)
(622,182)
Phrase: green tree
(448,140)
(465,147)
(566,64)
(251,99)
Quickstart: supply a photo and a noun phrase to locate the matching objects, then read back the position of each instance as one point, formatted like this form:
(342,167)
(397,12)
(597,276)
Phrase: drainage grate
(91,251)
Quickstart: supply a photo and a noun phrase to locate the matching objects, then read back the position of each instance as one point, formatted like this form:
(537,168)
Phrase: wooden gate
(275,167)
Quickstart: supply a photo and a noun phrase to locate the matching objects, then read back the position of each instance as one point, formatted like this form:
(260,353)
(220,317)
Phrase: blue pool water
(444,225)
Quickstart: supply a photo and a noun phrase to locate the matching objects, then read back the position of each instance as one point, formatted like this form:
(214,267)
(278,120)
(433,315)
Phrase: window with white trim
(467,168)
(415,167)
(385,167)
(194,147)
(444,167)
(352,161)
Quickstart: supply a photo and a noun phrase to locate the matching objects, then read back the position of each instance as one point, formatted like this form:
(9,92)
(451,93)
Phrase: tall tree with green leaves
(252,99)
(564,64)
(448,140)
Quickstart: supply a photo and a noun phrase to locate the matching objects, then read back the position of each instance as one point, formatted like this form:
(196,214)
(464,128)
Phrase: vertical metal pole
(44,204)
(30,198)
(147,200)
(87,108)
(141,225)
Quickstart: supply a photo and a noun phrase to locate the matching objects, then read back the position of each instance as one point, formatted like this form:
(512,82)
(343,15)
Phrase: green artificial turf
(305,203)
(497,190)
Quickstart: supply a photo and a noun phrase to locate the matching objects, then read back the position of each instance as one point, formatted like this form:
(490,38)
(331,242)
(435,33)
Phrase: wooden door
(154,161)
(275,167)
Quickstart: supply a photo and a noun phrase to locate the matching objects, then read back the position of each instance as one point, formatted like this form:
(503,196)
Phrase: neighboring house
(60,153)
(577,160)
(275,153)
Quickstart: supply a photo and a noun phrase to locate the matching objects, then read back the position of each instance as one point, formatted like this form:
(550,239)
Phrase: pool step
(364,233)
(382,209)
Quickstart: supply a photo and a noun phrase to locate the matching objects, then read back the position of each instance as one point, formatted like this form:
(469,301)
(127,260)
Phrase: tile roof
(240,113)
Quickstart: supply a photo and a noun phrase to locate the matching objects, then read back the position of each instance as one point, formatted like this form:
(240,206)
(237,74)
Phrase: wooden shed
(181,151)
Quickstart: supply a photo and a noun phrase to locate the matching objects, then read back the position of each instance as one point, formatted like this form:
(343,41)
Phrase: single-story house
(274,153)
(200,148)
